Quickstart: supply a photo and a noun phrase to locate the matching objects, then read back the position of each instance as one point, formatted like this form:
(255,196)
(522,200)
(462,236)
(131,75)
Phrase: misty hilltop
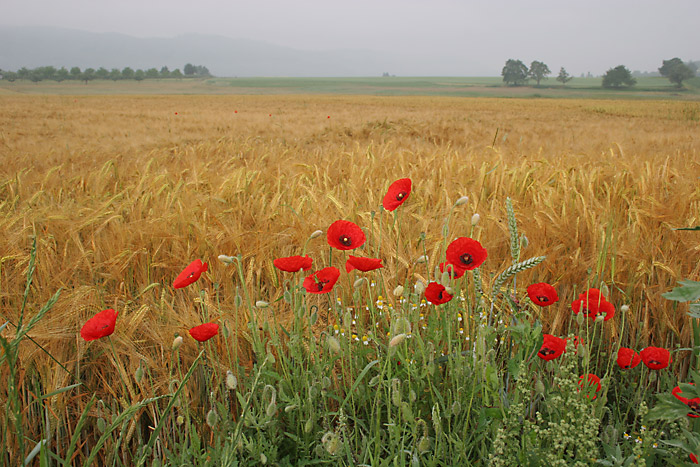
(33,47)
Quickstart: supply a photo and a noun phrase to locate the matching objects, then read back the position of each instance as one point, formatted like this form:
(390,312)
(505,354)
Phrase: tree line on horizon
(51,73)
(516,73)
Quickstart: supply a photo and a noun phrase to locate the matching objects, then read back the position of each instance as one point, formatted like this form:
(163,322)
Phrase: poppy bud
(475,219)
(396,340)
(579,318)
(101,425)
(412,396)
(396,392)
(227,259)
(358,282)
(419,288)
(422,259)
(423,444)
(289,408)
(524,241)
(177,342)
(212,418)
(624,308)
(308,426)
(604,289)
(398,291)
(462,200)
(539,387)
(333,344)
(263,459)
(180,420)
(138,376)
(231,380)
(598,319)
(261,304)
(456,408)
(316,234)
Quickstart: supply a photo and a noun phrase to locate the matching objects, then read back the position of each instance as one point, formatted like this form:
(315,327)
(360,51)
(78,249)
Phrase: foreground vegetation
(121,193)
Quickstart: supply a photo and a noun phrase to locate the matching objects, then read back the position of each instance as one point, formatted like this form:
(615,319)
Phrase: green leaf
(694,310)
(697,227)
(688,291)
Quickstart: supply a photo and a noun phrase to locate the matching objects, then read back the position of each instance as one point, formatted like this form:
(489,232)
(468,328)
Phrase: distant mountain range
(32,47)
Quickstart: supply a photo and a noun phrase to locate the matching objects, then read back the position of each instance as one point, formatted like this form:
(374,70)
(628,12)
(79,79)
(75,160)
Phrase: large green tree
(538,71)
(514,72)
(676,71)
(618,76)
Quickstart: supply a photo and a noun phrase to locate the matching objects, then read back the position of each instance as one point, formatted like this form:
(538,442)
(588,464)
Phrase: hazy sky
(447,37)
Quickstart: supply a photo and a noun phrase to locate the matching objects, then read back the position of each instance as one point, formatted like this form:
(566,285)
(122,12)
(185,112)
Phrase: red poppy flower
(100,325)
(204,332)
(466,253)
(321,281)
(454,271)
(693,403)
(628,358)
(542,294)
(693,458)
(293,263)
(345,235)
(437,294)
(190,274)
(362,264)
(592,305)
(656,358)
(398,193)
(552,347)
(592,380)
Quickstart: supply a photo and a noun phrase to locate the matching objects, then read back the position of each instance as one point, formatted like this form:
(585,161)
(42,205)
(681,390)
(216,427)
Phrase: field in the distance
(122,192)
(578,88)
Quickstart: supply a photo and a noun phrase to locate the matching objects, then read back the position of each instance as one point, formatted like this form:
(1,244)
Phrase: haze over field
(315,38)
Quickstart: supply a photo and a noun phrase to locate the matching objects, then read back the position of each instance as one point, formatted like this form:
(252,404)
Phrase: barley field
(120,193)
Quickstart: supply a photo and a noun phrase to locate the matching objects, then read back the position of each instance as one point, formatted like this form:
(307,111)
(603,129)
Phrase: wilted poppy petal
(437,294)
(321,281)
(100,325)
(362,264)
(396,195)
(345,235)
(204,332)
(542,294)
(190,274)
(293,263)
(466,253)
